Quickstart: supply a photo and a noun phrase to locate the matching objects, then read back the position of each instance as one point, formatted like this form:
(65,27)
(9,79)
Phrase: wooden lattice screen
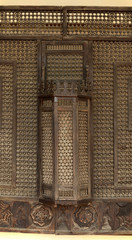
(66,120)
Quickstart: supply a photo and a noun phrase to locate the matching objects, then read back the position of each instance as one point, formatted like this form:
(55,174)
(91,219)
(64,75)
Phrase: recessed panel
(24,142)
(105,169)
(7,124)
(122,130)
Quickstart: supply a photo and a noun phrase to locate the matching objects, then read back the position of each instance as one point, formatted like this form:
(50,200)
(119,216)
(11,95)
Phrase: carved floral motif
(126,221)
(5,213)
(125,216)
(85,216)
(41,215)
(120,216)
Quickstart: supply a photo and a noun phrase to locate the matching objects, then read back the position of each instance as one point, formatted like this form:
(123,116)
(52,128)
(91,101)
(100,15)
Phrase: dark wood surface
(99,39)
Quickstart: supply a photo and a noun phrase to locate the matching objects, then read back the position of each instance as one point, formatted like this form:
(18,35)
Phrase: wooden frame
(55,25)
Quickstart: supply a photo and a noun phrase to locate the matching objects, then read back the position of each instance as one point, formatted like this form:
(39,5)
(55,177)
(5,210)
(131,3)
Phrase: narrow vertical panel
(47,148)
(43,61)
(8,123)
(65,158)
(115,128)
(56,148)
(39,57)
(0,102)
(89,148)
(90,119)
(14,123)
(65,154)
(90,63)
(39,162)
(84,149)
(122,125)
(130,104)
(85,61)
(75,148)
(64,22)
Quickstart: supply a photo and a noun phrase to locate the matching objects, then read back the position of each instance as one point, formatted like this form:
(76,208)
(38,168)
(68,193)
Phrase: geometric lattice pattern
(65,47)
(47,151)
(49,22)
(37,22)
(64,67)
(68,120)
(65,194)
(24,53)
(7,130)
(123,134)
(83,150)
(99,23)
(65,148)
(105,54)
(130,101)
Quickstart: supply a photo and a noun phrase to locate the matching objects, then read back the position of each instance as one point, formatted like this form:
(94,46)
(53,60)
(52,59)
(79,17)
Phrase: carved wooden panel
(66,120)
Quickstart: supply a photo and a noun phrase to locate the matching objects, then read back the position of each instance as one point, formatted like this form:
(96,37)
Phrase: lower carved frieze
(89,218)
(26,216)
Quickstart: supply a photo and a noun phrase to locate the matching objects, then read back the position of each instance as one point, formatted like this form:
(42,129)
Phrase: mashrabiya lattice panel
(123,135)
(25,54)
(47,152)
(7,131)
(83,153)
(130,102)
(31,22)
(105,54)
(65,153)
(99,23)
(64,67)
(49,22)
(65,47)
(47,147)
